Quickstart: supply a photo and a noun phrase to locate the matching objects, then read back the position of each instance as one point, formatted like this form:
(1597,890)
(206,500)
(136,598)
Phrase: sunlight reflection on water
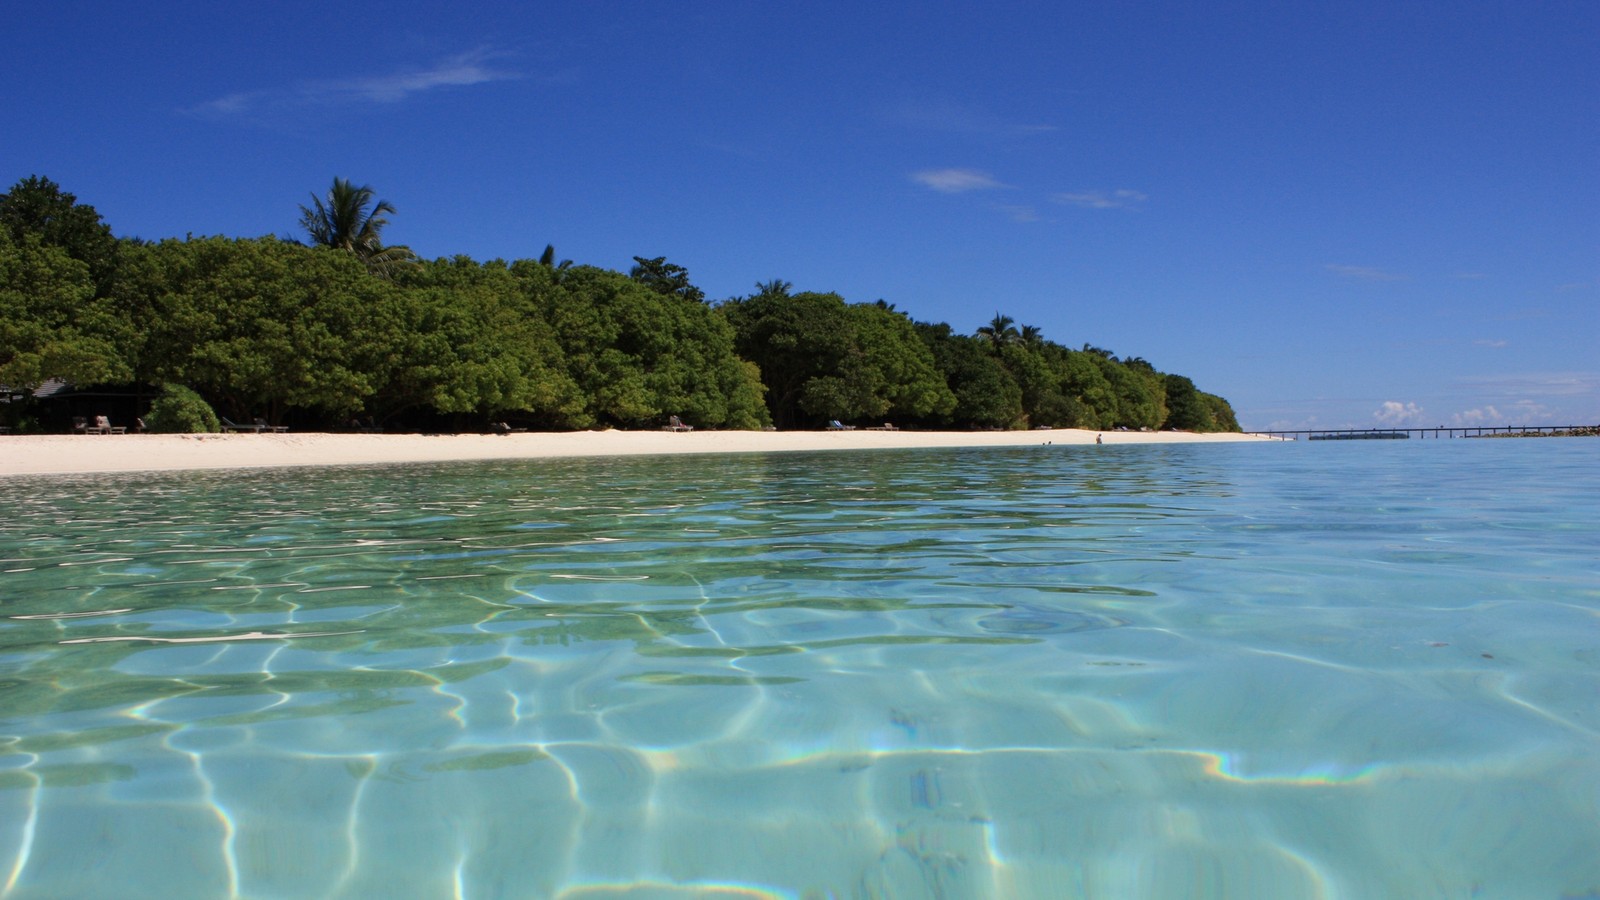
(1247,670)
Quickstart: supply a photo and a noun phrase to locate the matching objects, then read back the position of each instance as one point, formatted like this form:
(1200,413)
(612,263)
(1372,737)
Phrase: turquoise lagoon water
(1287,670)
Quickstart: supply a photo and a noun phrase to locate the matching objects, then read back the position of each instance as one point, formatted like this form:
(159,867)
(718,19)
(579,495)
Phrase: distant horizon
(1367,215)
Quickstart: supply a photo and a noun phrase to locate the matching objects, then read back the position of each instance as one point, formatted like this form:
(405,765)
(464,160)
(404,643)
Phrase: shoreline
(129,453)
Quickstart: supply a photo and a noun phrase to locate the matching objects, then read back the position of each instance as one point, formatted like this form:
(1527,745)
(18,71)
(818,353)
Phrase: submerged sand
(71,454)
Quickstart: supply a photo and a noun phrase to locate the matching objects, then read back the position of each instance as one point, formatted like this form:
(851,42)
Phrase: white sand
(68,454)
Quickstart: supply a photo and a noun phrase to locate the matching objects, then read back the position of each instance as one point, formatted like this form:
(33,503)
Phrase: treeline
(320,335)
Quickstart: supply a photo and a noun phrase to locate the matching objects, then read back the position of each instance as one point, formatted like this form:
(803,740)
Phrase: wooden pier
(1357,434)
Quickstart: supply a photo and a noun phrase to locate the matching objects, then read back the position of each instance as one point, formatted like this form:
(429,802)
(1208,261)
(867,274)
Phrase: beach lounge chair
(884,427)
(676,424)
(230,425)
(262,425)
(836,425)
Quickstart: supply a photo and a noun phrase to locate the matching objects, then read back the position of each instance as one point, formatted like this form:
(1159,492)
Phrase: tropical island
(334,330)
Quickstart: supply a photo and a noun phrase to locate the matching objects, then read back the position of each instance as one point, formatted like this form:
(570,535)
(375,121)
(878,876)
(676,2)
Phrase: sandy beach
(82,454)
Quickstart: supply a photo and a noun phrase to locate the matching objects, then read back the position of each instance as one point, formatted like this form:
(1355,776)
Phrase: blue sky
(1333,214)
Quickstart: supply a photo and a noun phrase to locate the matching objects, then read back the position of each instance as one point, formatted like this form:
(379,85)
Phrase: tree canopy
(307,333)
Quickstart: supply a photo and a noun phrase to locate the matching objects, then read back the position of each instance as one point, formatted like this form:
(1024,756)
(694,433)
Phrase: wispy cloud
(1395,414)
(940,115)
(1534,384)
(1363,273)
(458,71)
(462,70)
(1118,199)
(955,181)
(1485,342)
(1018,212)
(1534,398)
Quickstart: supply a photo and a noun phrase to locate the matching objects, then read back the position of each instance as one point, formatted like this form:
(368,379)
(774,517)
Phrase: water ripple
(928,673)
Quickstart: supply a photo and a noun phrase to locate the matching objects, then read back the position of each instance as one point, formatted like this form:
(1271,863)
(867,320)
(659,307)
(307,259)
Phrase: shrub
(180,411)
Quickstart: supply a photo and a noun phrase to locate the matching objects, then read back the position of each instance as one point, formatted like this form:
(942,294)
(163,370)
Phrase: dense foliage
(344,331)
(180,411)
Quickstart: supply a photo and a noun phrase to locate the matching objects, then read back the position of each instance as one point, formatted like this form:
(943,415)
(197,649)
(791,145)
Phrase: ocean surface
(1334,670)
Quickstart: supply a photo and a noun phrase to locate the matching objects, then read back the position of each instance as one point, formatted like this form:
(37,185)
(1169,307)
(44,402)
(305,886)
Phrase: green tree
(1042,400)
(37,206)
(1187,410)
(665,278)
(899,365)
(986,395)
(1084,383)
(1000,331)
(1138,400)
(344,221)
(1031,337)
(51,323)
(640,355)
(777,287)
(180,411)
(472,343)
(557,270)
(821,358)
(260,326)
(1221,412)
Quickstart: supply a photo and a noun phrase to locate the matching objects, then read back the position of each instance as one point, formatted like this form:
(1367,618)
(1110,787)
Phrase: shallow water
(1288,670)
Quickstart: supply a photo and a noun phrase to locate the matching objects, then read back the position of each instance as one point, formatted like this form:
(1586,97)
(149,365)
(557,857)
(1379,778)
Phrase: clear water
(1309,670)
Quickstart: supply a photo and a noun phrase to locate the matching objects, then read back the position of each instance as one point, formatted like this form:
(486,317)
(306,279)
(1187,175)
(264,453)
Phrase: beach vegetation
(261,326)
(1188,410)
(468,341)
(344,330)
(639,354)
(822,359)
(37,206)
(665,278)
(1000,332)
(350,218)
(558,270)
(178,410)
(985,392)
(52,323)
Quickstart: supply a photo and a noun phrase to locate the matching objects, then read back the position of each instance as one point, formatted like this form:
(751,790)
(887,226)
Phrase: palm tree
(1032,337)
(345,223)
(558,270)
(777,287)
(1001,330)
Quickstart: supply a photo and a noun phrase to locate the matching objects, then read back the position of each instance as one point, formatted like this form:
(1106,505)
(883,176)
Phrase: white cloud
(1395,414)
(457,71)
(1363,273)
(1118,199)
(1488,343)
(956,181)
(1487,415)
